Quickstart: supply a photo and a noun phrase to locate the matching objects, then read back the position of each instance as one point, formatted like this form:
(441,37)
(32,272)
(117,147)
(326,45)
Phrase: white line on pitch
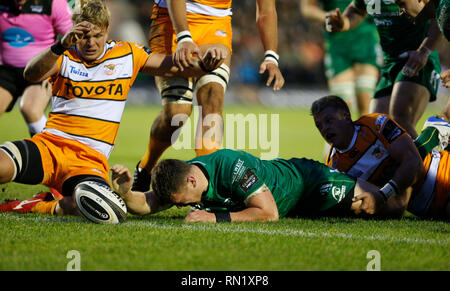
(219,228)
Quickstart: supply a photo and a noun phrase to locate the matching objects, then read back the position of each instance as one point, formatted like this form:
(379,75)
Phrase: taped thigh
(366,84)
(220,75)
(345,90)
(27,161)
(175,90)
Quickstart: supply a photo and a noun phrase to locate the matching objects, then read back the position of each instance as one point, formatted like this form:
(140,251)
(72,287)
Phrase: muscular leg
(366,78)
(210,96)
(6,168)
(5,99)
(209,134)
(380,105)
(408,102)
(161,133)
(32,105)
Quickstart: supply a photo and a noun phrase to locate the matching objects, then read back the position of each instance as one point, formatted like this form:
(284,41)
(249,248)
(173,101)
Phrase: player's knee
(175,113)
(211,97)
(10,162)
(30,111)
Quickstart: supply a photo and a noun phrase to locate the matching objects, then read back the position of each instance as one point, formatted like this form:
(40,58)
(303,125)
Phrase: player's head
(173,183)
(333,119)
(92,44)
(413,8)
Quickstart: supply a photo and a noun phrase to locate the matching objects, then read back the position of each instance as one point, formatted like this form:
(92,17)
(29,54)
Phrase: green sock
(427,141)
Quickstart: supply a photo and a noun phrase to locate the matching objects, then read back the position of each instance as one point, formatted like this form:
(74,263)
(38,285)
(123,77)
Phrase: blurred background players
(410,74)
(179,27)
(27,28)
(422,10)
(352,58)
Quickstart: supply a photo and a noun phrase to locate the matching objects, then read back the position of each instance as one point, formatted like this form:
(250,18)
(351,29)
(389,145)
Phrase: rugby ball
(99,204)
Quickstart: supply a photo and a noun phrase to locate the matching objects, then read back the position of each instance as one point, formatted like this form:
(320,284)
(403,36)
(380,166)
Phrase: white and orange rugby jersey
(88,99)
(217,8)
(367,156)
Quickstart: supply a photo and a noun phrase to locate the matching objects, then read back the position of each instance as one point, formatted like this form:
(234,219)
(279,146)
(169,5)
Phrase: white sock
(37,126)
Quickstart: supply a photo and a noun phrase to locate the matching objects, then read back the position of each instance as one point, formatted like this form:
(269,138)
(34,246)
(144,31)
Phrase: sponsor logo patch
(248,180)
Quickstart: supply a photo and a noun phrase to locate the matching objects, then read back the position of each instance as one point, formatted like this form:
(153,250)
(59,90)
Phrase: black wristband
(223,216)
(385,198)
(183,37)
(58,48)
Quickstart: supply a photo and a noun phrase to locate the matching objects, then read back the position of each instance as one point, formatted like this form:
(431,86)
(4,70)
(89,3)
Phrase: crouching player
(91,78)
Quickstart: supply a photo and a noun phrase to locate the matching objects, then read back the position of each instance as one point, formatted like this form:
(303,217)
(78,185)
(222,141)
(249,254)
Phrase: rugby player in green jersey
(234,186)
(422,10)
(352,71)
(410,74)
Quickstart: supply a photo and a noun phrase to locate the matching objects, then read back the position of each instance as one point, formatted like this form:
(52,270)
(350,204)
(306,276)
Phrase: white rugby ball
(99,204)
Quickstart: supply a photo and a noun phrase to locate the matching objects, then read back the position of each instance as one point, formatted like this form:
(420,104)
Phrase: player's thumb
(262,68)
(358,197)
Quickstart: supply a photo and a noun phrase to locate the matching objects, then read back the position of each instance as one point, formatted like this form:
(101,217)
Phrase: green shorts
(326,191)
(341,56)
(391,73)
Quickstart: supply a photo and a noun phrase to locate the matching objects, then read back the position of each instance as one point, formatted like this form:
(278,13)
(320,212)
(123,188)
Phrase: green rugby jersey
(299,186)
(443,17)
(366,27)
(397,33)
(234,175)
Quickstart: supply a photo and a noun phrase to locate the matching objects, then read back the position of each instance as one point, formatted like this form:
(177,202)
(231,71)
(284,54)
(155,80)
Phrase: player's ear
(191,181)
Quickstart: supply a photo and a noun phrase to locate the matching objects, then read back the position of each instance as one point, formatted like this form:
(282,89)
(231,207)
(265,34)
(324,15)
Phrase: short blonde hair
(93,11)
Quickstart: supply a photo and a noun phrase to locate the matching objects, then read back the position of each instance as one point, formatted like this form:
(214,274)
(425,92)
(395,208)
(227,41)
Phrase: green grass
(164,242)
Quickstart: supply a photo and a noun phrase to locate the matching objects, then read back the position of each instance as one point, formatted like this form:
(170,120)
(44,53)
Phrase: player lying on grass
(234,186)
(375,148)
(91,78)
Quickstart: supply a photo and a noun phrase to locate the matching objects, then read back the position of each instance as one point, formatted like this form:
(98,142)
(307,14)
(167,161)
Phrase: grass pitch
(163,242)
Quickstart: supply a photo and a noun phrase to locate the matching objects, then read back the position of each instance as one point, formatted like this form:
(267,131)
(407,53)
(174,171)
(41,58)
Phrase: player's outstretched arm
(261,207)
(311,10)
(137,202)
(336,21)
(44,64)
(210,58)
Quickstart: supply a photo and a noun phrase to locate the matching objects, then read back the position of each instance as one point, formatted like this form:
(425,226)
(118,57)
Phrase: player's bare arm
(139,203)
(310,10)
(410,165)
(44,64)
(266,21)
(418,59)
(351,18)
(261,207)
(186,47)
(210,58)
